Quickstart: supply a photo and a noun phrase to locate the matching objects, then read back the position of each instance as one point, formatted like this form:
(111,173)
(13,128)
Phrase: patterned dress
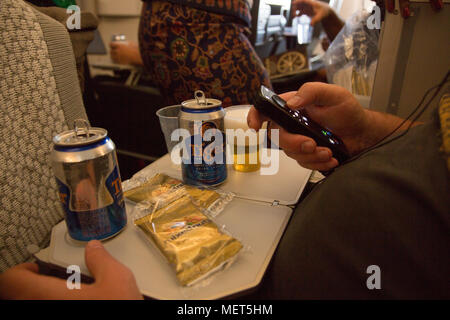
(201,45)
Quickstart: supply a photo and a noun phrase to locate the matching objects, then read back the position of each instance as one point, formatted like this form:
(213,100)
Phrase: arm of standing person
(320,12)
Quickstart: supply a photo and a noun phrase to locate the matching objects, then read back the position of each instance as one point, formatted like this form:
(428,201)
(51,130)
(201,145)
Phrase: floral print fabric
(187,49)
(237,8)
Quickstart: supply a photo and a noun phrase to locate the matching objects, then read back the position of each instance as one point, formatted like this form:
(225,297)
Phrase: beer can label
(206,163)
(85,220)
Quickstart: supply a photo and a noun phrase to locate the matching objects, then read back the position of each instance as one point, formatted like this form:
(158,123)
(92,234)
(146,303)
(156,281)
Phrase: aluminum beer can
(90,188)
(205,163)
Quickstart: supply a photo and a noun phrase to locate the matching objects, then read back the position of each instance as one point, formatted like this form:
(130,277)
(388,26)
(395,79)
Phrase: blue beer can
(205,161)
(90,188)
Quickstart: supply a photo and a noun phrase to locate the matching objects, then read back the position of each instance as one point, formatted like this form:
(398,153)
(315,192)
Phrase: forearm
(332,25)
(380,125)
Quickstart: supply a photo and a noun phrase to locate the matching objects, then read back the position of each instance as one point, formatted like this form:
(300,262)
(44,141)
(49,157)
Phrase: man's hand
(113,280)
(336,109)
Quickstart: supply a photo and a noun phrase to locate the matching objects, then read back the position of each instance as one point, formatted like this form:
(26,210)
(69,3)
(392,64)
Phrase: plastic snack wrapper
(160,190)
(352,57)
(191,242)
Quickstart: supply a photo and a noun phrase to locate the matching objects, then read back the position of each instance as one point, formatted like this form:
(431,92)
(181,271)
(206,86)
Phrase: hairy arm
(336,109)
(380,125)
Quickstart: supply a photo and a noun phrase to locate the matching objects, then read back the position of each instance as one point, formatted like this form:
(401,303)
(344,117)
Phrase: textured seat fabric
(39,97)
(80,38)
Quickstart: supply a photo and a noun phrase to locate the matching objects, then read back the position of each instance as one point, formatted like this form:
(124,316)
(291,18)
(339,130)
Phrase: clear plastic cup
(168,118)
(246,157)
(305,30)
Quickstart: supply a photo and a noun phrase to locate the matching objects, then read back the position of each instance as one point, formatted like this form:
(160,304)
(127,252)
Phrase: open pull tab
(200,97)
(83,130)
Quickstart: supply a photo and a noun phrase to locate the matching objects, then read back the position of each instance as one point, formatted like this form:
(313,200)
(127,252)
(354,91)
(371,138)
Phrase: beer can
(205,163)
(90,188)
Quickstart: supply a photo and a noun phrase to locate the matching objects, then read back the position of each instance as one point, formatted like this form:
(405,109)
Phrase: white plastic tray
(251,217)
(258,225)
(285,187)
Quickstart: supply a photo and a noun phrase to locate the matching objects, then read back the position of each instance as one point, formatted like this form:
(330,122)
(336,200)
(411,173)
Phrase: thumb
(98,260)
(288,96)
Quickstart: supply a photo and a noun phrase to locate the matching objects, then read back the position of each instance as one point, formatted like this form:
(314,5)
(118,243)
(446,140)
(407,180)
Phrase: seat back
(39,98)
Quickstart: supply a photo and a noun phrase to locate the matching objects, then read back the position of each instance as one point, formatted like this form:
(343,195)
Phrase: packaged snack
(189,239)
(161,190)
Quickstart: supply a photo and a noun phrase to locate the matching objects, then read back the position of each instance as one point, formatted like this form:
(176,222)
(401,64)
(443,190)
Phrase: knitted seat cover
(39,98)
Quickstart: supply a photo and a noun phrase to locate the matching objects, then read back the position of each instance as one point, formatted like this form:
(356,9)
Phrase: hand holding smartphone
(298,122)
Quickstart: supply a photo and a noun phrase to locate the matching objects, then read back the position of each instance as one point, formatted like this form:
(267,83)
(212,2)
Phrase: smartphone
(298,122)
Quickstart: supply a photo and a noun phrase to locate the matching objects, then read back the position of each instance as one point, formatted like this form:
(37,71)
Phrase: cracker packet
(161,190)
(190,241)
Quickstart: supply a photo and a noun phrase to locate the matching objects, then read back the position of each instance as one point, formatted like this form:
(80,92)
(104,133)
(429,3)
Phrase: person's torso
(235,8)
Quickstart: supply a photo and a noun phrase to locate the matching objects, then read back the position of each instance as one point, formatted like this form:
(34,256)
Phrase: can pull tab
(200,97)
(83,130)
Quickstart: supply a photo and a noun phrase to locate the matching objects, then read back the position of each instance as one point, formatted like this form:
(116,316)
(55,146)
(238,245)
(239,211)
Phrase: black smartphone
(298,122)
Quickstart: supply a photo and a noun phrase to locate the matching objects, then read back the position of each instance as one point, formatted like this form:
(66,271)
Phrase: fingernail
(295,101)
(307,147)
(94,244)
(324,155)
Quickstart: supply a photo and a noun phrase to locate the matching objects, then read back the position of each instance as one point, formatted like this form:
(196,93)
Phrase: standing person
(320,11)
(352,47)
(201,45)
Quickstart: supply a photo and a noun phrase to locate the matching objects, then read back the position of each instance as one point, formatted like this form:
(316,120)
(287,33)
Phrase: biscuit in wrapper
(161,190)
(203,198)
(191,242)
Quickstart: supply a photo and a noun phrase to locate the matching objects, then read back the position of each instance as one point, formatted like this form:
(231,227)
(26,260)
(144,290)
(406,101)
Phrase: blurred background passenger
(201,45)
(352,45)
